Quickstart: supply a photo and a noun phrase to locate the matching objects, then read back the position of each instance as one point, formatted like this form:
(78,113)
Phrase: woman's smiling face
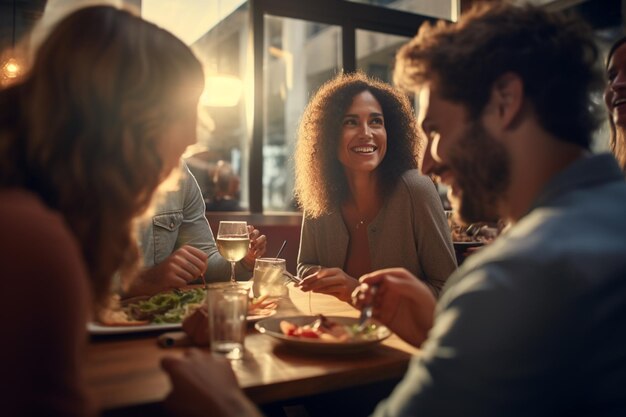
(363,142)
(615,92)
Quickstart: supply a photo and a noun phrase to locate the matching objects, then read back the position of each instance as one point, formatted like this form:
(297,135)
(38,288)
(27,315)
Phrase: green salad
(367,332)
(168,307)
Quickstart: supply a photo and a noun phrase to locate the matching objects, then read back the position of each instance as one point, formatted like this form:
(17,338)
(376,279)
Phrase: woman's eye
(349,122)
(377,121)
(611,75)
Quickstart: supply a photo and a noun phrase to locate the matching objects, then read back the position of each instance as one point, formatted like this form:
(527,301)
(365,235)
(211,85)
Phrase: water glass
(227,310)
(270,277)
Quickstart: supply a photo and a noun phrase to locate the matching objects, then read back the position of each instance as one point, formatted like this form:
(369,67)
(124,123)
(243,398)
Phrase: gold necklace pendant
(360,223)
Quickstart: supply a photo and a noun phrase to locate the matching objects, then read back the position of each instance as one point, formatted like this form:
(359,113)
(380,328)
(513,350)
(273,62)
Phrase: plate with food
(163,311)
(469,244)
(259,314)
(329,334)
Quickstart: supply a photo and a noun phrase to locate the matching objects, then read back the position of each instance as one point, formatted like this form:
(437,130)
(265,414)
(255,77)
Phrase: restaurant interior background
(263,60)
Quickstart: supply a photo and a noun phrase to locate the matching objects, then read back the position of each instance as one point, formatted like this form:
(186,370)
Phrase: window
(299,56)
(435,8)
(297,45)
(282,51)
(375,53)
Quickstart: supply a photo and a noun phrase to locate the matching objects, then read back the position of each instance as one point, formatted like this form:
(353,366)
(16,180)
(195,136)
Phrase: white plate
(263,314)
(99,329)
(271,327)
(465,245)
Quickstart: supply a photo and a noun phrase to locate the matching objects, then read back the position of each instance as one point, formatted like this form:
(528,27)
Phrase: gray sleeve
(435,250)
(307,254)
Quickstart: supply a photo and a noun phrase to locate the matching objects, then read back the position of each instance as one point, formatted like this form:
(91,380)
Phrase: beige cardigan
(410,231)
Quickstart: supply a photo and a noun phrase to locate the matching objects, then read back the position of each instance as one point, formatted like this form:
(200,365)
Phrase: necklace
(353,216)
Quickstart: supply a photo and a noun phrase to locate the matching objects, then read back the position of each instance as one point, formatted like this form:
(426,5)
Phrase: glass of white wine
(233,242)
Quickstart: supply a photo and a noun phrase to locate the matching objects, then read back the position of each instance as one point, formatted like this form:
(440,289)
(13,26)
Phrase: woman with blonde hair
(100,119)
(366,207)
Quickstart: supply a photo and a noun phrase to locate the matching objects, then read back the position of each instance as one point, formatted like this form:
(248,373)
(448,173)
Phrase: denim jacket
(179,219)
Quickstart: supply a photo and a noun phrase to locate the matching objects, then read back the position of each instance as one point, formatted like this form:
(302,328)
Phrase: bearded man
(534,324)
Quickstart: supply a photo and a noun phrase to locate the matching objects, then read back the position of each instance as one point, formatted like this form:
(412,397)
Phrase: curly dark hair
(83,129)
(617,142)
(553,53)
(321,184)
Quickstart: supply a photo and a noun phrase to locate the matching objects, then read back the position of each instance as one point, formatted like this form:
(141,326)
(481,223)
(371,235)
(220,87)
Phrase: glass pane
(375,56)
(375,53)
(220,159)
(434,8)
(299,56)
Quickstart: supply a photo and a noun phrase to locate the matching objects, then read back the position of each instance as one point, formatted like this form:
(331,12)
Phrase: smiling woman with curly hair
(366,206)
(614,95)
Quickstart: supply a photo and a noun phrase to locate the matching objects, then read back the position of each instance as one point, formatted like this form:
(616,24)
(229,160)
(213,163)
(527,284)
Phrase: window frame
(350,17)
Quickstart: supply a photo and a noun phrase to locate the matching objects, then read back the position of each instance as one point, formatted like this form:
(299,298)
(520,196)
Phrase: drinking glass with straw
(281,249)
(268,279)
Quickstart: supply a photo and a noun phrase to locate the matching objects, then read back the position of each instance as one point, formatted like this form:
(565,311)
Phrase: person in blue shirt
(535,323)
(178,246)
(226,185)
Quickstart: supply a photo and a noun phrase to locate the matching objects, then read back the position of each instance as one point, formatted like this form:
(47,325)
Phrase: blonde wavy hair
(82,129)
(321,184)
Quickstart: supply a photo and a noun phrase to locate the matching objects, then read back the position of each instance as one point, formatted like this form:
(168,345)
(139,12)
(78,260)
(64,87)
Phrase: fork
(473,230)
(366,312)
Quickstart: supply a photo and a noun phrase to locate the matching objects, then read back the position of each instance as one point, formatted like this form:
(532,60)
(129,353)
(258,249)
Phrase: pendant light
(11,66)
(221,90)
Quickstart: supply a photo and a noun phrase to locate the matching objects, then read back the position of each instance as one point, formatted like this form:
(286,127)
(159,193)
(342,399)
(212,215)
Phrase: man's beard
(481,167)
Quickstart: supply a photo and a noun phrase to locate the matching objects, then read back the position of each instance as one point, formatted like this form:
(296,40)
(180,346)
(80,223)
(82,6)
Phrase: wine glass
(232,243)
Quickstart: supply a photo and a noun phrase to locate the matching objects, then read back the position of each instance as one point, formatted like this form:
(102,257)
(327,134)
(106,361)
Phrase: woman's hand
(258,245)
(331,281)
(402,302)
(204,384)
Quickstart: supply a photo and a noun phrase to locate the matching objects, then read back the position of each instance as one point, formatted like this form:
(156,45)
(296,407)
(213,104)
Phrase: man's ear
(507,98)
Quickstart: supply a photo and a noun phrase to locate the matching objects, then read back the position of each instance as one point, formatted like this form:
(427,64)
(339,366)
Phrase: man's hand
(182,266)
(196,325)
(402,302)
(258,245)
(204,384)
(331,281)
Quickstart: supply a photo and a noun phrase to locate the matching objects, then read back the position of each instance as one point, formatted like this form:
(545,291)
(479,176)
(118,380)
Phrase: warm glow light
(189,19)
(11,68)
(222,91)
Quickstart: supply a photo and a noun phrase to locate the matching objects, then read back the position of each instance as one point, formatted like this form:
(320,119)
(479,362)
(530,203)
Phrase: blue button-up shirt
(535,324)
(179,219)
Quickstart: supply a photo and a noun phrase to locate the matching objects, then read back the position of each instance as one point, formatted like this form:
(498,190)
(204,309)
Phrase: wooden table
(124,371)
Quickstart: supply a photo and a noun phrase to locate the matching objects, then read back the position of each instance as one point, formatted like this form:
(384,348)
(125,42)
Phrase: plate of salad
(163,311)
(330,334)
